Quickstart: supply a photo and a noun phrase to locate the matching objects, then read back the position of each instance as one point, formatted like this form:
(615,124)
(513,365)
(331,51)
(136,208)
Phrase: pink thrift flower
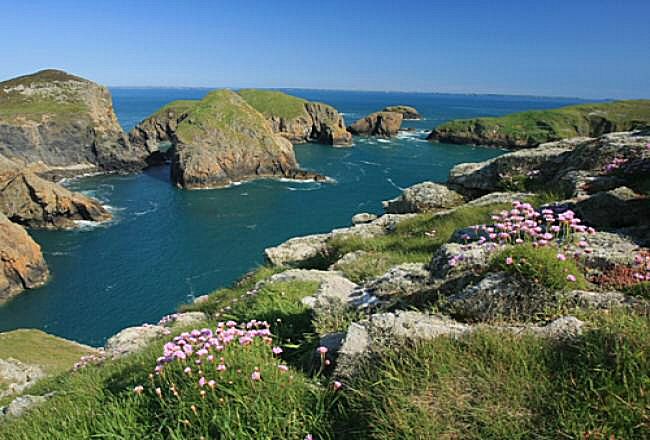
(571,278)
(509,261)
(256,376)
(283,368)
(187,370)
(138,389)
(221,367)
(322,349)
(561,257)
(202,382)
(337,385)
(277,350)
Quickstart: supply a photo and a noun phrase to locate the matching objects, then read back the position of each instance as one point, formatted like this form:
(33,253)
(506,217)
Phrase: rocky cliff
(299,120)
(223,139)
(532,128)
(21,262)
(38,203)
(383,124)
(407,112)
(66,122)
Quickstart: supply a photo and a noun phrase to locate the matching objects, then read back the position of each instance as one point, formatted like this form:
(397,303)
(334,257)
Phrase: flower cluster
(168,319)
(615,164)
(91,359)
(641,269)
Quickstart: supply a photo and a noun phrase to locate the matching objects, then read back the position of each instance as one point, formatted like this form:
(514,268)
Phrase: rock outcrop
(423,197)
(65,122)
(532,128)
(38,203)
(382,124)
(22,265)
(406,111)
(297,119)
(222,140)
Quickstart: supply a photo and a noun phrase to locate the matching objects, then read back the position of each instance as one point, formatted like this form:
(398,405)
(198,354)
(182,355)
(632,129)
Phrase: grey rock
(332,286)
(363,217)
(348,259)
(18,375)
(133,340)
(23,404)
(599,300)
(187,319)
(468,258)
(607,250)
(423,197)
(402,280)
(616,208)
(298,250)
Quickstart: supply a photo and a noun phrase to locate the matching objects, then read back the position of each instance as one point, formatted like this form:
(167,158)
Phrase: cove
(166,246)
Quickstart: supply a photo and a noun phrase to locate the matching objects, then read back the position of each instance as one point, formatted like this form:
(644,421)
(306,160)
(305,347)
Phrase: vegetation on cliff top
(539,126)
(274,103)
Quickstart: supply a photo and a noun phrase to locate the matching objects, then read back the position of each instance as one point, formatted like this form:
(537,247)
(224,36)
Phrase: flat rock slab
(423,197)
(133,340)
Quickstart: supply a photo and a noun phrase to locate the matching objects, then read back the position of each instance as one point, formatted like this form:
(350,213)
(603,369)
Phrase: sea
(166,246)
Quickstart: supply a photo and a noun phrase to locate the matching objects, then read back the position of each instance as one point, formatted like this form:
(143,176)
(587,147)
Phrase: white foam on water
(86,225)
(384,141)
(370,163)
(394,184)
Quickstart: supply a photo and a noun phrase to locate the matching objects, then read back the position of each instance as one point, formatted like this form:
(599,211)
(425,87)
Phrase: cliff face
(222,139)
(299,120)
(21,262)
(66,122)
(532,128)
(38,203)
(384,124)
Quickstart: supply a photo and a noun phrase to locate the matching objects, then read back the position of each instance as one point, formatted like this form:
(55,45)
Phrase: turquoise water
(166,246)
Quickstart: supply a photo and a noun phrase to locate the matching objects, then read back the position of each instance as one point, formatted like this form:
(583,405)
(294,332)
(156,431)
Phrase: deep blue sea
(165,246)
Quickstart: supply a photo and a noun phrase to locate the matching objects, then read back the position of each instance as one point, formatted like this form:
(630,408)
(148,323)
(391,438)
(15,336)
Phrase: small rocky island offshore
(509,302)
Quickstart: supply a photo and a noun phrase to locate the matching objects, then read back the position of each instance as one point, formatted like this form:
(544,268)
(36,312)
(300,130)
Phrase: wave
(153,208)
(394,184)
(317,185)
(384,141)
(87,225)
(367,162)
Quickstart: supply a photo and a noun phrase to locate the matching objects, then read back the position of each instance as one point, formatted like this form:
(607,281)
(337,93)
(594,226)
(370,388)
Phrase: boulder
(423,197)
(133,340)
(607,251)
(22,404)
(224,140)
(348,259)
(299,120)
(65,122)
(400,281)
(299,250)
(18,375)
(383,124)
(363,217)
(182,320)
(21,261)
(406,111)
(616,208)
(37,203)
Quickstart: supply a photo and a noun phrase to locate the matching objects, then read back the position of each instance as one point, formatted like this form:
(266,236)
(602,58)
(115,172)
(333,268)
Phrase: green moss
(535,127)
(273,103)
(177,107)
(53,354)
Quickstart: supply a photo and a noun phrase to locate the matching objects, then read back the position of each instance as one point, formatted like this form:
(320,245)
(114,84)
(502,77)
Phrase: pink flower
(571,278)
(509,261)
(221,367)
(561,257)
(337,385)
(158,392)
(283,368)
(138,389)
(322,349)
(256,376)
(187,370)
(277,350)
(309,437)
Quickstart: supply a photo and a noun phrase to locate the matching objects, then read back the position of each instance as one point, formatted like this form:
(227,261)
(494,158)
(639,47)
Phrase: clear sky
(584,48)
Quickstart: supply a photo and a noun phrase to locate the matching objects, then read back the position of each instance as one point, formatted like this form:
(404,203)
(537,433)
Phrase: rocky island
(406,111)
(532,128)
(382,124)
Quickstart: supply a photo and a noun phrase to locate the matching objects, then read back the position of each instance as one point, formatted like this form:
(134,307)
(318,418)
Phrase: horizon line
(519,95)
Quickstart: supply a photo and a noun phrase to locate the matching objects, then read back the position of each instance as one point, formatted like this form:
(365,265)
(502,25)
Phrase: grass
(53,354)
(536,127)
(638,290)
(178,107)
(273,103)
(492,385)
(409,243)
(540,266)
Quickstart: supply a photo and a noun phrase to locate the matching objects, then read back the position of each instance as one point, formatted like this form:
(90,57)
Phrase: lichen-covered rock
(406,111)
(182,320)
(423,197)
(453,259)
(498,295)
(223,140)
(400,281)
(347,259)
(22,265)
(383,124)
(17,375)
(66,122)
(299,120)
(363,217)
(616,208)
(21,405)
(298,250)
(133,340)
(37,203)
(606,250)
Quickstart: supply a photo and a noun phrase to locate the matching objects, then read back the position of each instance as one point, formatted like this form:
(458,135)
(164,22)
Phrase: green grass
(409,243)
(492,385)
(53,354)
(178,107)
(638,290)
(535,127)
(272,103)
(540,266)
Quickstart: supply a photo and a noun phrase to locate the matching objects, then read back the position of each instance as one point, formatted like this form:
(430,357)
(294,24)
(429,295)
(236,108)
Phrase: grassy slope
(67,102)
(545,125)
(272,103)
(178,107)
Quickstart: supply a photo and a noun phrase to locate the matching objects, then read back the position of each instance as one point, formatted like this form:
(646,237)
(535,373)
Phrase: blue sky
(593,49)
